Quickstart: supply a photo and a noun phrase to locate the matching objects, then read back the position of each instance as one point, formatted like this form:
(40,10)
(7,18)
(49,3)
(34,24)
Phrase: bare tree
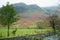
(53,20)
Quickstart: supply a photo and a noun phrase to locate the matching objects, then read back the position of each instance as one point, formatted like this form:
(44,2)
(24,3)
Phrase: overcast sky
(41,3)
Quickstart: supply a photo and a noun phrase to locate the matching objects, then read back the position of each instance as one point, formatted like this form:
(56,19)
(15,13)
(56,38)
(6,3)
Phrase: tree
(54,22)
(8,16)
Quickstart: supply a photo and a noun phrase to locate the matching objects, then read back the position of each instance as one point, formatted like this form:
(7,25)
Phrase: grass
(22,32)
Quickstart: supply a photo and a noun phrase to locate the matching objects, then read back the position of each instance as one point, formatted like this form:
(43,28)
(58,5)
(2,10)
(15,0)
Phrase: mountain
(29,10)
(52,10)
(34,10)
(29,14)
(22,7)
(34,7)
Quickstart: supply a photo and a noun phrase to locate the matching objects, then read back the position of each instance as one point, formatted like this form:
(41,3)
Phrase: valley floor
(22,32)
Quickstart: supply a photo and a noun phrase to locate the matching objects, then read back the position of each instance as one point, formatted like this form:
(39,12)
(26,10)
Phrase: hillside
(29,14)
(29,10)
(52,10)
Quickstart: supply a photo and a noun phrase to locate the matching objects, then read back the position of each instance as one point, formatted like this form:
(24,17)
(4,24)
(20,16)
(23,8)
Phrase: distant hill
(29,10)
(29,14)
(22,7)
(52,10)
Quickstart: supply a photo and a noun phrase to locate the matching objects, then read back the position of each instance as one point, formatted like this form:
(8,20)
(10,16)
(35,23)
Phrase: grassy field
(22,32)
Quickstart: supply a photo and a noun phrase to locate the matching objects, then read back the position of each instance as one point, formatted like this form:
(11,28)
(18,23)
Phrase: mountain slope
(29,14)
(29,10)
(52,10)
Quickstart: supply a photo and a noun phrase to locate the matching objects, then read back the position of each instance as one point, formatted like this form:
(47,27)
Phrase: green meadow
(22,32)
